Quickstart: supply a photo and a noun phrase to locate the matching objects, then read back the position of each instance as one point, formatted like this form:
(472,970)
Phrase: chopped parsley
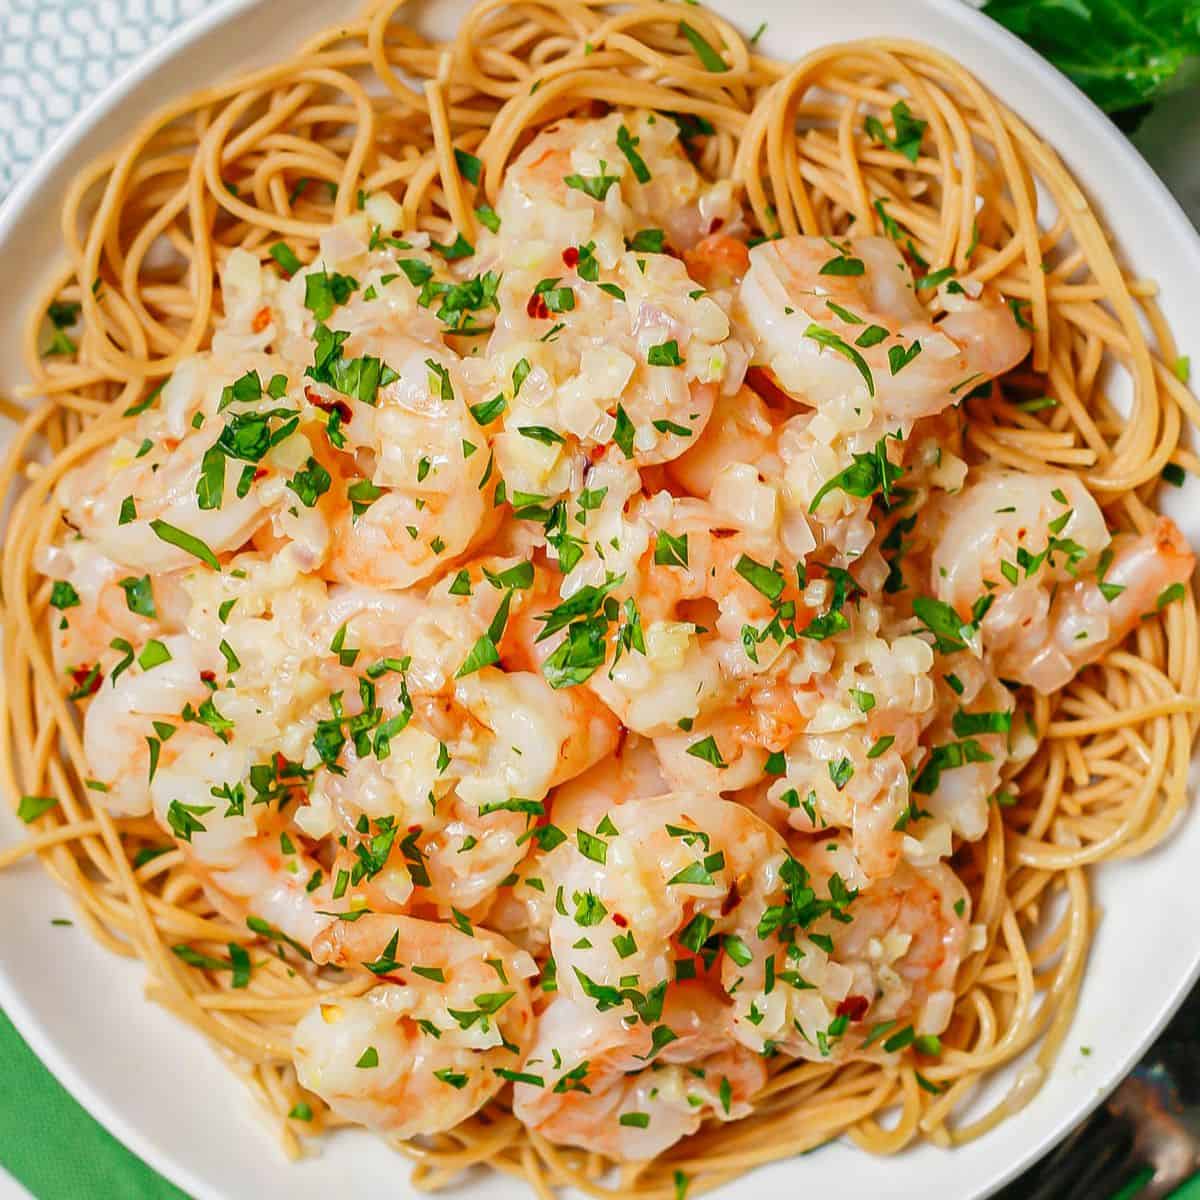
(909,131)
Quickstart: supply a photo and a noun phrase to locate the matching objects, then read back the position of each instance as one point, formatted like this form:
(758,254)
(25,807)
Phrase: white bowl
(163,1091)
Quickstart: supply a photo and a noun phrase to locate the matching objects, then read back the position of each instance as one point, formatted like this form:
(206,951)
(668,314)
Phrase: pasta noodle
(371,106)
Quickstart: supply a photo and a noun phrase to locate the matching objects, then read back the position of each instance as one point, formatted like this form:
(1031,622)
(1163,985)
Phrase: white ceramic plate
(163,1091)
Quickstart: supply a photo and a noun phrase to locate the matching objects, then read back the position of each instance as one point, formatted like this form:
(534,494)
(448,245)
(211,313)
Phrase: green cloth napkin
(52,1146)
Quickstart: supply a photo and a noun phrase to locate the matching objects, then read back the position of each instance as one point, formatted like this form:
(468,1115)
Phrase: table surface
(56,55)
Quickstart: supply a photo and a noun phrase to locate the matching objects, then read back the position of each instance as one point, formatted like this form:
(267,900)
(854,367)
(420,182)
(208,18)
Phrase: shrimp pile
(597,641)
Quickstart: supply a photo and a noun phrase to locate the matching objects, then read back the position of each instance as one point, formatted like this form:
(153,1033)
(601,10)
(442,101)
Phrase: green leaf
(909,131)
(935,278)
(482,654)
(866,475)
(285,257)
(881,746)
(670,551)
(488,217)
(325,290)
(63,595)
(595,186)
(623,433)
(762,578)
(153,654)
(826,337)
(648,241)
(942,621)
(578,656)
(1168,596)
(311,483)
(708,751)
(240,960)
(488,410)
(184,818)
(704,52)
(32,807)
(1122,53)
(967,724)
(627,144)
(459,248)
(843,265)
(665,355)
(899,358)
(63,313)
(557,299)
(469,167)
(140,407)
(417,272)
(543,434)
(185,541)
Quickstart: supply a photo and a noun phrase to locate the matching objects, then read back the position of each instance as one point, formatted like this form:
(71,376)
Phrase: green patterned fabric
(53,1147)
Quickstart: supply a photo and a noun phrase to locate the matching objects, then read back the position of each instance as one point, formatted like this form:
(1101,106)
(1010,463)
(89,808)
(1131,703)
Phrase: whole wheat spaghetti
(268,162)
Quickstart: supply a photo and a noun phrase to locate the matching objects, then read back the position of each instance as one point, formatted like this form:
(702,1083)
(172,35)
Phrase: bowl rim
(69,143)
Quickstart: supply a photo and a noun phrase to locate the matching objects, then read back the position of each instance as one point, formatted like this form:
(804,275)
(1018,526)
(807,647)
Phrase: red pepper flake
(537,307)
(208,676)
(81,672)
(570,256)
(732,899)
(262,319)
(854,1007)
(620,921)
(343,410)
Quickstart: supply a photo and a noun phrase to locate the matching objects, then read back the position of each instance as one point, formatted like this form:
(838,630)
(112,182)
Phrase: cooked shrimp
(727,750)
(718,261)
(741,430)
(848,769)
(120,720)
(597,343)
(101,601)
(890,950)
(785,296)
(630,774)
(1060,592)
(162,484)
(523,910)
(607,1086)
(830,782)
(203,461)
(462,772)
(1003,516)
(414,501)
(422,1050)
(248,876)
(537,203)
(642,371)
(676,867)
(904,944)
(702,579)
